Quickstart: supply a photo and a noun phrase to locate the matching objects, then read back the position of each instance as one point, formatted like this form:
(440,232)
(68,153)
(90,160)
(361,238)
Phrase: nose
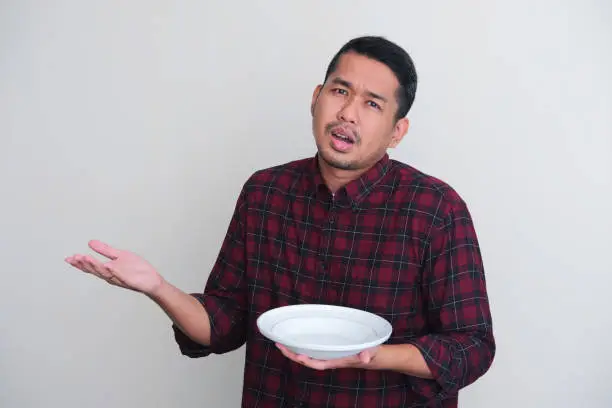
(348,113)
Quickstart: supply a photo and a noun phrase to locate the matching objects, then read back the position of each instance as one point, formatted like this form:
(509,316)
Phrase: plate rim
(388,328)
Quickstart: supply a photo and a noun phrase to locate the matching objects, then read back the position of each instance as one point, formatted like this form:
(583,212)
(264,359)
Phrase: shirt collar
(357,189)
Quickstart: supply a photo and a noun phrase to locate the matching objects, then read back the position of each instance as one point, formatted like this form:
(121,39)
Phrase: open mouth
(342,140)
(343,137)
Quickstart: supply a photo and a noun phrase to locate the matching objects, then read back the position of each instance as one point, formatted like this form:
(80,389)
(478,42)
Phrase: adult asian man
(349,227)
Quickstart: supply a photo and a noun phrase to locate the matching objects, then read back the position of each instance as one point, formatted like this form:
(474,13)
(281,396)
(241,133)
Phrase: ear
(399,131)
(315,96)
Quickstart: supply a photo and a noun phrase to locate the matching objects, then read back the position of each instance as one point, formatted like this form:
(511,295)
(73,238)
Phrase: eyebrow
(347,84)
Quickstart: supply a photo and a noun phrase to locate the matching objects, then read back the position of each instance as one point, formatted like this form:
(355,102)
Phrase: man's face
(354,113)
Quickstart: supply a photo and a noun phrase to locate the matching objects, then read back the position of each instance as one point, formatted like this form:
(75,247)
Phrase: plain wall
(136,122)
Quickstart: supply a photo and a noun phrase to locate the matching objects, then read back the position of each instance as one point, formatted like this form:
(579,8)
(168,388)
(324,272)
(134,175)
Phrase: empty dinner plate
(324,332)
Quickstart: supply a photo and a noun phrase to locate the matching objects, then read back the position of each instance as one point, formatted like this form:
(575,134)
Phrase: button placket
(325,248)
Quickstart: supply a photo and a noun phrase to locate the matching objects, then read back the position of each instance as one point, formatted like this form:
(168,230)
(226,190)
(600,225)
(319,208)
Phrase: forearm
(185,311)
(404,358)
(454,360)
(439,365)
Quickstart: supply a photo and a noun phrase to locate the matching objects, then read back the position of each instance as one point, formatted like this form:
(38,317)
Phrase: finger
(115,278)
(115,282)
(97,267)
(104,249)
(365,357)
(94,267)
(71,260)
(77,262)
(106,273)
(290,355)
(283,349)
(319,365)
(304,360)
(296,358)
(344,362)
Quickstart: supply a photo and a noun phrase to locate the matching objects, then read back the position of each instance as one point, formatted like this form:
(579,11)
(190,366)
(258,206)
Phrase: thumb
(365,357)
(104,249)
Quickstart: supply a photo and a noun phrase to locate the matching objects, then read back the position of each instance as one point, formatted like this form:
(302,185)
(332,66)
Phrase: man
(347,227)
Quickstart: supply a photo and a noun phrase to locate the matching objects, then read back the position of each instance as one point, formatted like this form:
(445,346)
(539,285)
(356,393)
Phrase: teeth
(342,137)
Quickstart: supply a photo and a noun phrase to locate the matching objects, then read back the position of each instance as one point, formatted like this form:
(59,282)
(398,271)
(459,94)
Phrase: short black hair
(393,56)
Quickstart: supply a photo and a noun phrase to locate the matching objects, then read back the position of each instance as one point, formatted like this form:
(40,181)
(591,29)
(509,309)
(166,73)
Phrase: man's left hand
(361,360)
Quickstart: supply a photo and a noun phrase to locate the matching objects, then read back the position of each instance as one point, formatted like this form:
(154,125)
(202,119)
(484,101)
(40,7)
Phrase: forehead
(366,74)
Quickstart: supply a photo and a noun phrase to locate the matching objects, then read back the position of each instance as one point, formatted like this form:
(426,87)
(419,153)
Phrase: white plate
(324,332)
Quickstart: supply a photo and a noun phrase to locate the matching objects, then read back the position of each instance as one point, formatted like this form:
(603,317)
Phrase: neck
(336,178)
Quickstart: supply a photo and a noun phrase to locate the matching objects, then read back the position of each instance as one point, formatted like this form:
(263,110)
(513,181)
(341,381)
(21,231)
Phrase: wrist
(402,358)
(382,359)
(394,357)
(157,290)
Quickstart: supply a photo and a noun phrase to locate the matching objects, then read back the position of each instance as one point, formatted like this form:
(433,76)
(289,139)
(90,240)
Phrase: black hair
(394,57)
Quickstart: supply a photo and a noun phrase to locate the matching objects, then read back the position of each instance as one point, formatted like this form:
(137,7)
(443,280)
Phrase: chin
(335,160)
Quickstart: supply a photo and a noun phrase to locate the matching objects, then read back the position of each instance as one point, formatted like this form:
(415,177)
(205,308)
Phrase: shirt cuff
(186,345)
(435,356)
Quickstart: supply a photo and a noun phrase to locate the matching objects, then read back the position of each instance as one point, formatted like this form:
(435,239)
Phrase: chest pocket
(385,287)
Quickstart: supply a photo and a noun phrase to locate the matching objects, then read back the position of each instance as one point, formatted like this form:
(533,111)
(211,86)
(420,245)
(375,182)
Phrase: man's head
(359,111)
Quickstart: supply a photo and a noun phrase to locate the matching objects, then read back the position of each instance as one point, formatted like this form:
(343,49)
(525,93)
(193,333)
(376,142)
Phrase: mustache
(330,126)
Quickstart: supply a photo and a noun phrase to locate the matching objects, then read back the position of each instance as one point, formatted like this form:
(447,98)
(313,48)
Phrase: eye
(340,91)
(374,105)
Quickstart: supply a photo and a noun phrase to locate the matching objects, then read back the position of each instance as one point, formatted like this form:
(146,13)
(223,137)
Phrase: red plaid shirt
(395,242)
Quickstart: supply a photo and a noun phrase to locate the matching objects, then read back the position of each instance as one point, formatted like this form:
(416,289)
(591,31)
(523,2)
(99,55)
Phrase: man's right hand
(124,269)
(130,271)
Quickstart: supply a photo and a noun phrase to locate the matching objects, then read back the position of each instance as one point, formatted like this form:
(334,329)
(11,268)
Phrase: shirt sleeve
(460,346)
(224,297)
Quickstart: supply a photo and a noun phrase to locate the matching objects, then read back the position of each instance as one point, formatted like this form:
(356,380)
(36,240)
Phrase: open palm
(124,268)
